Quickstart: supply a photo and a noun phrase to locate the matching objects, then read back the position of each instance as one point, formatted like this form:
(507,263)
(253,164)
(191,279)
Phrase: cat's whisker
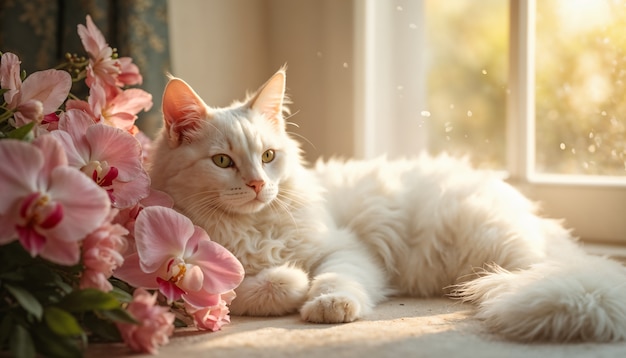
(290,203)
(205,204)
(200,202)
(289,117)
(293,195)
(303,138)
(279,204)
(201,195)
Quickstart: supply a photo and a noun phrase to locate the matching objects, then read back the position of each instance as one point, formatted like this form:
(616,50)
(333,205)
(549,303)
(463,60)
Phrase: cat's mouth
(252,206)
(247,202)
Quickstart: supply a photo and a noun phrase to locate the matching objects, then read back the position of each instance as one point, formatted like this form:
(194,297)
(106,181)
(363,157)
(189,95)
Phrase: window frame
(593,206)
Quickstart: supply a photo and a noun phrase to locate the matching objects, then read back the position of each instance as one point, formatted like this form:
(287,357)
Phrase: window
(580,87)
(535,90)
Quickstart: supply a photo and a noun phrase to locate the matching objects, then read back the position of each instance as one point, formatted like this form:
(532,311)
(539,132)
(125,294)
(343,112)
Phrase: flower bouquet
(88,252)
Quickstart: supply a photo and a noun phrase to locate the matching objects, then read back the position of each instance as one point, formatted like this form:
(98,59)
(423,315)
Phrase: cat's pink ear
(269,99)
(183,111)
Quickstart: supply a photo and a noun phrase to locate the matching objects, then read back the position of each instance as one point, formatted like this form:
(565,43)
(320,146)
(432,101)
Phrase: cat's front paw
(331,308)
(274,291)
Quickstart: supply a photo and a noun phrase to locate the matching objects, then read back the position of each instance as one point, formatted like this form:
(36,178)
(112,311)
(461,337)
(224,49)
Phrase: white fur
(335,240)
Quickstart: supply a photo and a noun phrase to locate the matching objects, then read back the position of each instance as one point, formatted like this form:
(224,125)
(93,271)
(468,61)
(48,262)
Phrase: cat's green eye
(222,161)
(268,156)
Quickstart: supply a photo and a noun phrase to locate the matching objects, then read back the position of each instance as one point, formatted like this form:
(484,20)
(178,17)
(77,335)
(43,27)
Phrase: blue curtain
(41,32)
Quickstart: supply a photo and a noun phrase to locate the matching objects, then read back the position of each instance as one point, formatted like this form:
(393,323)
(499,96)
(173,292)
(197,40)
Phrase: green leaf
(89,300)
(22,345)
(119,315)
(61,322)
(51,345)
(121,295)
(6,328)
(14,255)
(101,329)
(26,300)
(179,323)
(21,132)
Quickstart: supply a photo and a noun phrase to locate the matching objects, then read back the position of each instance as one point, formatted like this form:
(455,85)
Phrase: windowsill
(579,180)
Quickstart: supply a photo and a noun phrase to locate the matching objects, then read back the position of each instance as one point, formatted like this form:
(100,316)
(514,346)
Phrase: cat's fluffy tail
(583,299)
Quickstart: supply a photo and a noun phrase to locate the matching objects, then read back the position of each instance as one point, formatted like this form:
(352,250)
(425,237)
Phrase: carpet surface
(401,327)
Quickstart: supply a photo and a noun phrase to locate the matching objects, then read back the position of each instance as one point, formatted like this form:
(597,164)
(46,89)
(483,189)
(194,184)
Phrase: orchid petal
(170,290)
(54,156)
(129,75)
(201,298)
(222,271)
(61,252)
(131,273)
(76,122)
(160,234)
(159,198)
(118,148)
(192,280)
(97,100)
(199,234)
(122,120)
(74,157)
(25,162)
(132,101)
(31,240)
(85,204)
(78,104)
(91,37)
(127,194)
(50,87)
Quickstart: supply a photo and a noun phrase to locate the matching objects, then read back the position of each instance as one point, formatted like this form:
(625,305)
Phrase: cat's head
(232,159)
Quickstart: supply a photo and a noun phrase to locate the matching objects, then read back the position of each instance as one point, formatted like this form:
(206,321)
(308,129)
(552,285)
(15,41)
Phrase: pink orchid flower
(102,254)
(103,68)
(127,216)
(40,94)
(46,204)
(110,156)
(155,325)
(119,111)
(179,259)
(214,317)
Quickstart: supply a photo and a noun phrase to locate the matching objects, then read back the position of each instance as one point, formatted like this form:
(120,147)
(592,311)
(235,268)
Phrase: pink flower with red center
(40,94)
(179,259)
(110,156)
(44,203)
(102,254)
(155,323)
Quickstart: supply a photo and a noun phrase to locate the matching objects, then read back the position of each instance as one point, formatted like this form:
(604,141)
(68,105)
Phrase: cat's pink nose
(257,185)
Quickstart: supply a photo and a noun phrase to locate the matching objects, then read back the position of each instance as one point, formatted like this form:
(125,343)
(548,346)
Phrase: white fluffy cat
(333,241)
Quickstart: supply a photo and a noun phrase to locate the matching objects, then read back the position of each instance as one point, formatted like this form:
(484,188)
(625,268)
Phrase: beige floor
(402,327)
